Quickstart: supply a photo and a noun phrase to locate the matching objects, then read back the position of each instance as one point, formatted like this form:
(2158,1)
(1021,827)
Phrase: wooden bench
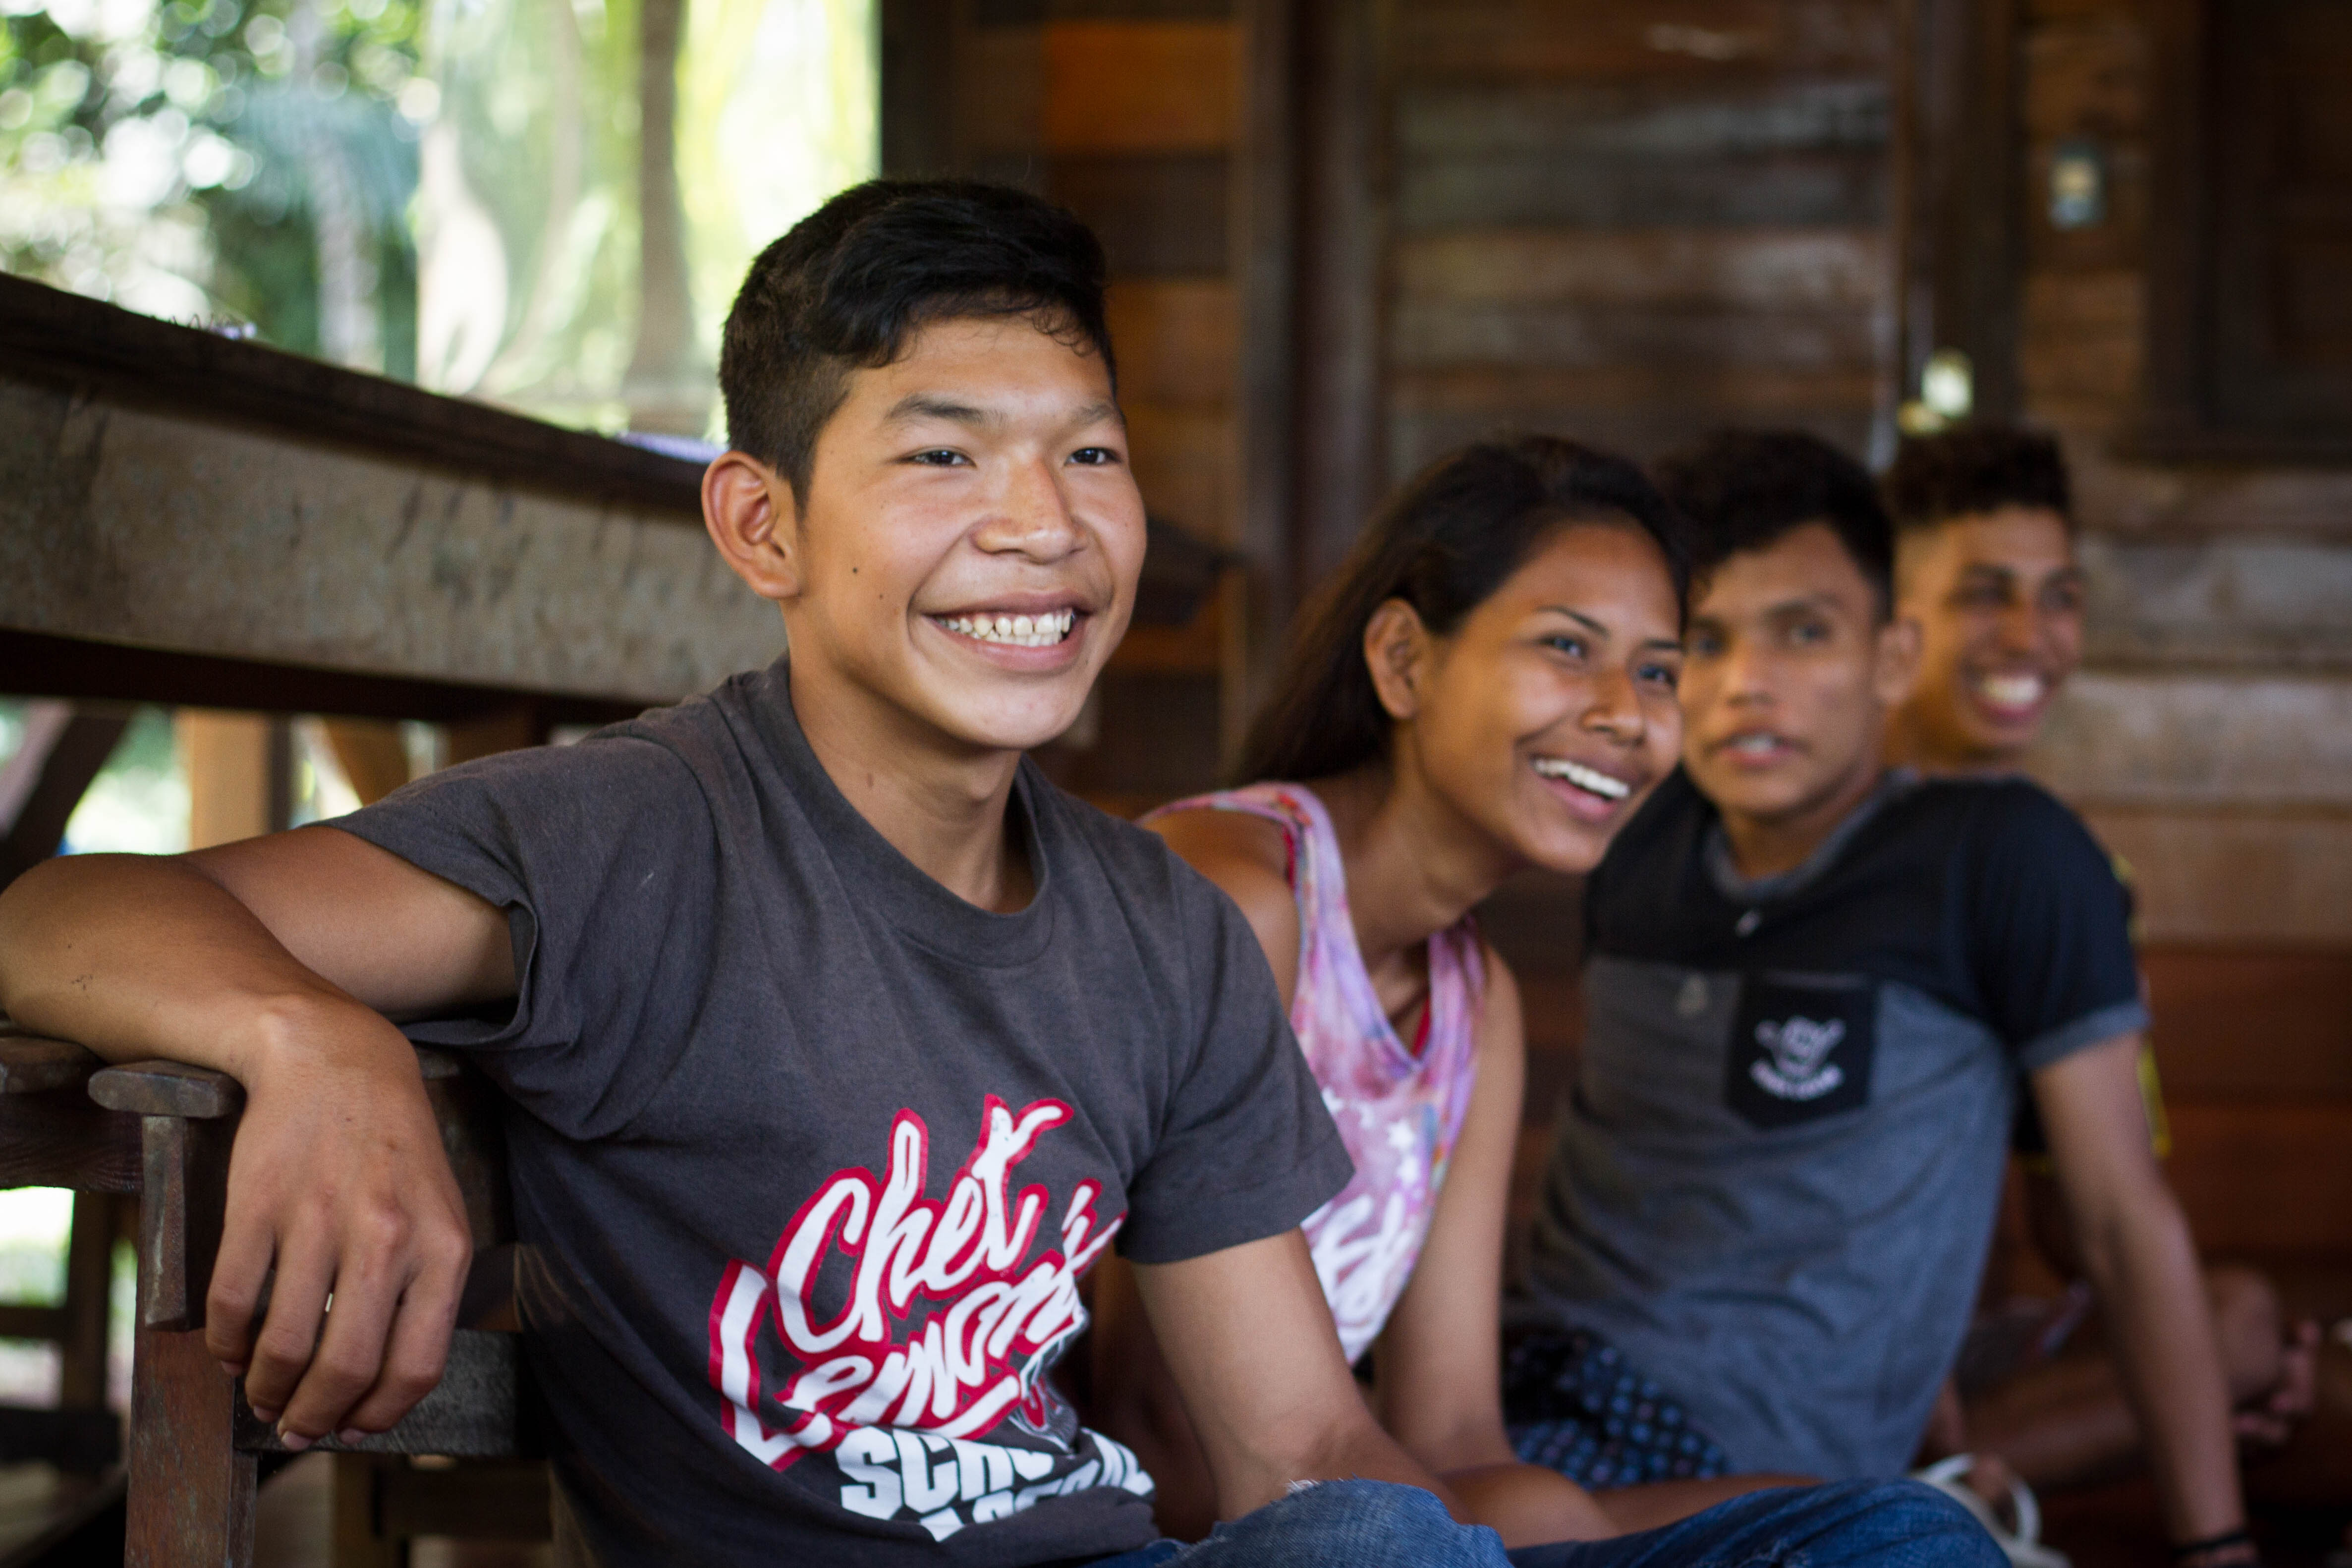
(164,1130)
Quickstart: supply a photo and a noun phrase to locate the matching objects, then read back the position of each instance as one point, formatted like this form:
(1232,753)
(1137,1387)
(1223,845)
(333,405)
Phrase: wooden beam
(75,754)
(1340,76)
(123,523)
(1958,129)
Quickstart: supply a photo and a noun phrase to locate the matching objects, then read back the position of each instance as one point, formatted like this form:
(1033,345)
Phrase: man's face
(971,536)
(1787,679)
(1999,599)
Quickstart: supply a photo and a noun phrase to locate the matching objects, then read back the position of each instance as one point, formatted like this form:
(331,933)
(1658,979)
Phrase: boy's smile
(965,557)
(1999,599)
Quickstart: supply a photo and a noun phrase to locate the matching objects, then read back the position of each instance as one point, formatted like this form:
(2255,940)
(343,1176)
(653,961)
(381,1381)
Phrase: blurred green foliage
(159,155)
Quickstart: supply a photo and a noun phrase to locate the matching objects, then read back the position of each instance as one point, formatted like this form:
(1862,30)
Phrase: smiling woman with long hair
(1488,685)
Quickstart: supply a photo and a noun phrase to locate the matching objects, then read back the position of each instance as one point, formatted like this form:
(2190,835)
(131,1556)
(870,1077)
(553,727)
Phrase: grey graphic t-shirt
(809,1155)
(1776,1175)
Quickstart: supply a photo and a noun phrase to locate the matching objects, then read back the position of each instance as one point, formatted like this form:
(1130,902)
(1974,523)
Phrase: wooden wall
(1130,113)
(2209,739)
(1629,221)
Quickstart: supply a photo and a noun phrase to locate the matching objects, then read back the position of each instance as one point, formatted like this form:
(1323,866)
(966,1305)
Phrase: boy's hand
(339,1183)
(338,1180)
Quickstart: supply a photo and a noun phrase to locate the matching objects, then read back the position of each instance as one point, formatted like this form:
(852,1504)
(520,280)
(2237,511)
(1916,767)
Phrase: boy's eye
(1702,645)
(939,458)
(1805,634)
(1095,456)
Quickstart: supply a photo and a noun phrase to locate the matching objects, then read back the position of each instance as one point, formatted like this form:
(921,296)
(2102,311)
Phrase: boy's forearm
(135,956)
(2144,1267)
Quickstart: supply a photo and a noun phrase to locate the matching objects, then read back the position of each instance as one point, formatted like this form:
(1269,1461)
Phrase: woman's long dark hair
(1442,545)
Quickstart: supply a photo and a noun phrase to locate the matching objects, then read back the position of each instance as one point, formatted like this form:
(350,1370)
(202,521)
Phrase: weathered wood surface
(1141,86)
(59,1139)
(2251,1023)
(2251,603)
(34,1063)
(58,340)
(182,1203)
(2208,874)
(167,530)
(1636,154)
(1435,332)
(2263,1177)
(168,1089)
(1184,461)
(1158,215)
(1766,269)
(1014,13)
(2154,738)
(1415,438)
(1179,340)
(192,1492)
(1503,39)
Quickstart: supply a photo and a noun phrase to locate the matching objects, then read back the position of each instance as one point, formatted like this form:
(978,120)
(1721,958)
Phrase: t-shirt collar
(1724,871)
(872,870)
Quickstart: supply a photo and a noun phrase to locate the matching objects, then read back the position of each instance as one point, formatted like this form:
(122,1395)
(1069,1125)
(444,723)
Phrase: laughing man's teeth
(1015,631)
(2012,690)
(1587,779)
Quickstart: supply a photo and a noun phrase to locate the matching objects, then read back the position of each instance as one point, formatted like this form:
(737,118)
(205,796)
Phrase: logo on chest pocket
(1801,1050)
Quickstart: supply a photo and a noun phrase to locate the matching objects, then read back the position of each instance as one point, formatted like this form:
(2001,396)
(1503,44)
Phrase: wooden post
(191,1502)
(230,790)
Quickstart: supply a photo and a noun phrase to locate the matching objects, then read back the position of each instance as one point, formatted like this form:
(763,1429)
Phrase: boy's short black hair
(1976,469)
(1744,490)
(841,290)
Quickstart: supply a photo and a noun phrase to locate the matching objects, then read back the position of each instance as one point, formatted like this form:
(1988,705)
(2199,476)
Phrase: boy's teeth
(2013,690)
(1590,779)
(1019,631)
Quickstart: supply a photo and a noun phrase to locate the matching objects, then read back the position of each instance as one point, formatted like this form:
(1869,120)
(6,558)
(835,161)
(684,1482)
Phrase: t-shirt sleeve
(1247,1150)
(603,855)
(2053,948)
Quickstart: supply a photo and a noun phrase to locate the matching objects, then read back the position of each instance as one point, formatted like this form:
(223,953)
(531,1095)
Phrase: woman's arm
(1439,1357)
(275,960)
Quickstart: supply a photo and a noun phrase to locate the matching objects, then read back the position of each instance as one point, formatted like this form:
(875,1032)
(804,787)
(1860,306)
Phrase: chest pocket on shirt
(1800,1048)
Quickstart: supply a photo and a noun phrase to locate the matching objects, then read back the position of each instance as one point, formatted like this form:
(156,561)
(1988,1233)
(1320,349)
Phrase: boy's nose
(1032,517)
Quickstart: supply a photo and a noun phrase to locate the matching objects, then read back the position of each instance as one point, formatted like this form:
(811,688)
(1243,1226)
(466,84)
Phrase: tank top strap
(1316,872)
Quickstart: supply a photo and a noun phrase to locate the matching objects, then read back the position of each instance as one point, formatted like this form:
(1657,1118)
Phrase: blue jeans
(1373,1524)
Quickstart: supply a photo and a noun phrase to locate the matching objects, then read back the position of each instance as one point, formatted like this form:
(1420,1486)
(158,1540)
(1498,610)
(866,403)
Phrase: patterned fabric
(1576,1407)
(1399,1109)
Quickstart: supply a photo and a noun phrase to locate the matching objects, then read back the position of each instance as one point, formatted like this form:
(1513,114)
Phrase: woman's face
(1550,713)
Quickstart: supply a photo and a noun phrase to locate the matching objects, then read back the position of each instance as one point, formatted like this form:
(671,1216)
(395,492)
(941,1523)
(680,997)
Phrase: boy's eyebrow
(931,405)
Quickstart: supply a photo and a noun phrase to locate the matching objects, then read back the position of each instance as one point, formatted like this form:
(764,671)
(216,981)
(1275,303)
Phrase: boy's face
(971,536)
(1999,599)
(1787,676)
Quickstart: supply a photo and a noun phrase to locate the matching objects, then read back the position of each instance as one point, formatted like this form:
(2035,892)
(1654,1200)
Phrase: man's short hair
(843,289)
(1976,469)
(1745,489)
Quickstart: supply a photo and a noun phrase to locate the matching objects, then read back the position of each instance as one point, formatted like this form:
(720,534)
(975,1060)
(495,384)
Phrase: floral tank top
(1399,1107)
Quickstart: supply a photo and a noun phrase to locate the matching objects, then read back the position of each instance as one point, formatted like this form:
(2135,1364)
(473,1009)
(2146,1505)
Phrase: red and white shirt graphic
(945,1334)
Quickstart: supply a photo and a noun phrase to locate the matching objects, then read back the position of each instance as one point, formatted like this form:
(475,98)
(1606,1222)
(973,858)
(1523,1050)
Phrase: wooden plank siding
(1630,223)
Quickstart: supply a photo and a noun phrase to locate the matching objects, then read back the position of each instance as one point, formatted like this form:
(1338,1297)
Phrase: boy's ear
(1396,651)
(1897,666)
(754,519)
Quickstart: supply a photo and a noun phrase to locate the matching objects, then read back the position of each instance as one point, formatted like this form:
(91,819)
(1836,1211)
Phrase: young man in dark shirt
(838,1043)
(1816,988)
(1985,565)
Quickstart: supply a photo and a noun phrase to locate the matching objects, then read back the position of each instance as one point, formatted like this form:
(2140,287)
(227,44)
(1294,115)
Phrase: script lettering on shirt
(887,1399)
